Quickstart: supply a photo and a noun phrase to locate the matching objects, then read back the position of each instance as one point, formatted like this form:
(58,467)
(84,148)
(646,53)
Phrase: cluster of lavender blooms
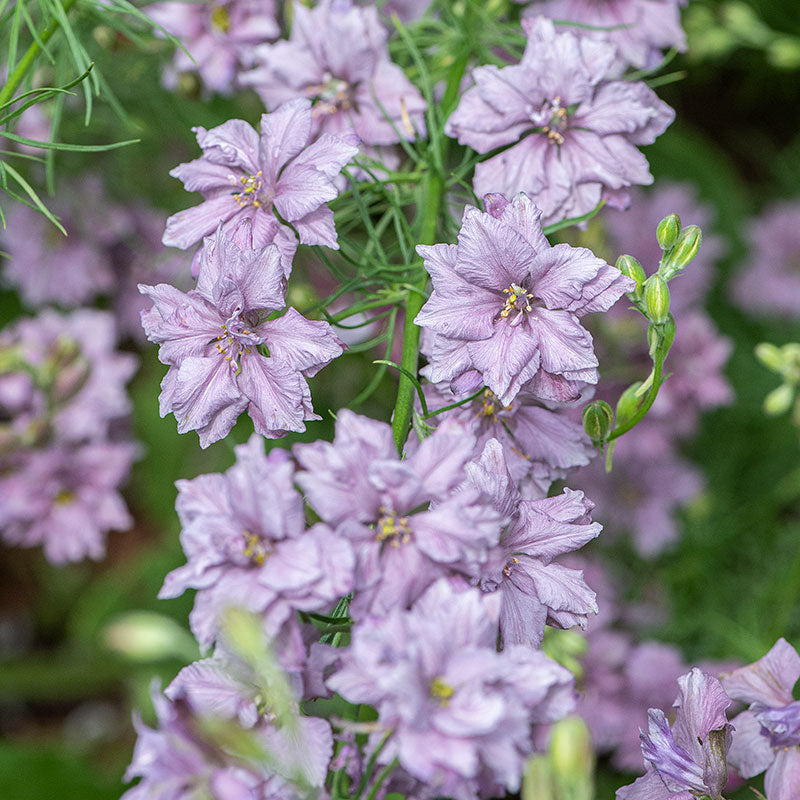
(690,757)
(650,479)
(63,450)
(108,250)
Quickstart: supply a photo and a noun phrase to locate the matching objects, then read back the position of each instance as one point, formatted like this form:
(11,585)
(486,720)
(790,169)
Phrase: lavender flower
(244,536)
(458,711)
(211,339)
(215,35)
(576,133)
(409,521)
(534,589)
(640,29)
(337,58)
(688,759)
(769,282)
(505,305)
(767,735)
(243,175)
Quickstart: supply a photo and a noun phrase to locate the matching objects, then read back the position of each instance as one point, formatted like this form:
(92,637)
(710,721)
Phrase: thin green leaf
(566,223)
(78,148)
(28,189)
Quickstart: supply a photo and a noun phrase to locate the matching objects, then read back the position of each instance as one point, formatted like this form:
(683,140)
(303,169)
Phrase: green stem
(29,57)
(658,368)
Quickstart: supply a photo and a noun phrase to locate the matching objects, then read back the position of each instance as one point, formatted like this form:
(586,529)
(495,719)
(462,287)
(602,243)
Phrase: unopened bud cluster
(785,361)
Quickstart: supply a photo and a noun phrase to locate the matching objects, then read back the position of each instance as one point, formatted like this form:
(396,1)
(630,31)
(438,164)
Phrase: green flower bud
(597,420)
(770,356)
(667,231)
(682,252)
(628,403)
(572,759)
(656,299)
(148,636)
(536,782)
(778,400)
(630,267)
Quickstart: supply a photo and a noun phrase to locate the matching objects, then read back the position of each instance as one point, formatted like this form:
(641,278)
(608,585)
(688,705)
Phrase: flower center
(507,569)
(255,549)
(558,121)
(491,406)
(330,96)
(441,691)
(781,724)
(232,343)
(392,529)
(519,300)
(220,19)
(251,194)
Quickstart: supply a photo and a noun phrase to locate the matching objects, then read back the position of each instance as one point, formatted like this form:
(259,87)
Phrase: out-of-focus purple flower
(243,532)
(211,338)
(406,10)
(410,521)
(540,444)
(47,267)
(640,29)
(505,305)
(65,498)
(770,282)
(574,134)
(246,176)
(216,35)
(182,760)
(649,482)
(459,712)
(767,735)
(688,759)
(337,58)
(535,590)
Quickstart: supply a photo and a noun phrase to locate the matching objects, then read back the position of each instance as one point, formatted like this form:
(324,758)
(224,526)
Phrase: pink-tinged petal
(523,216)
(490,475)
(201,175)
(318,228)
(284,134)
(491,254)
(460,310)
(234,143)
(565,347)
(302,190)
(782,781)
(206,398)
(507,360)
(650,787)
(559,588)
(523,616)
(620,107)
(329,154)
(751,752)
(277,395)
(544,435)
(769,680)
(305,345)
(188,227)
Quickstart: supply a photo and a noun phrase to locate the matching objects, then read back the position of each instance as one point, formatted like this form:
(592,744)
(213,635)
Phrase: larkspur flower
(573,133)
(688,759)
(640,29)
(337,58)
(534,588)
(410,521)
(244,175)
(211,336)
(505,306)
(767,735)
(216,36)
(540,444)
(246,544)
(769,282)
(459,712)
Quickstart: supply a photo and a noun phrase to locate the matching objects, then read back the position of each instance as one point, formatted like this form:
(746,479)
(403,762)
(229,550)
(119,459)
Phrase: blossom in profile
(505,306)
(245,539)
(572,134)
(769,282)
(640,29)
(409,521)
(687,759)
(212,339)
(459,712)
(337,58)
(767,735)
(215,36)
(535,589)
(244,175)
